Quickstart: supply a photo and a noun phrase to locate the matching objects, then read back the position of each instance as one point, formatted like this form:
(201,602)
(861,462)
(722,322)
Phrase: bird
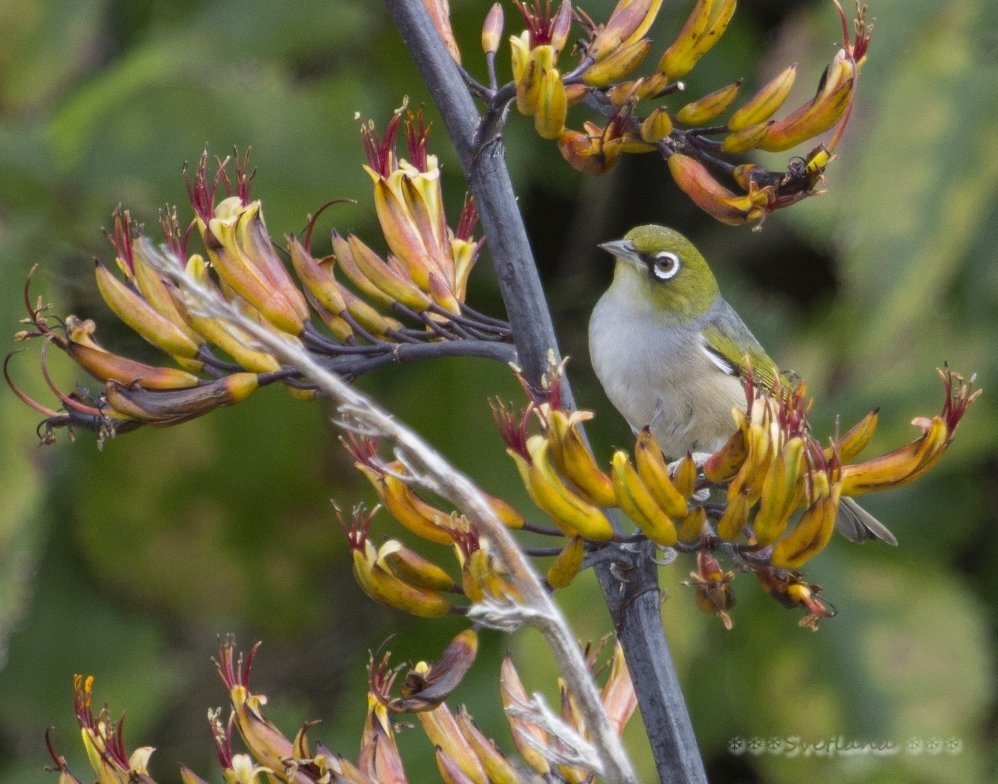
(671,353)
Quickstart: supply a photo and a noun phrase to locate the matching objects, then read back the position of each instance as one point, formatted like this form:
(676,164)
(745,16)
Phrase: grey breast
(660,375)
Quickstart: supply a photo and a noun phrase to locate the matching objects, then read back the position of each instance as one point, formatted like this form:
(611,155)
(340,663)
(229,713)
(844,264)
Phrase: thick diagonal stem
(633,602)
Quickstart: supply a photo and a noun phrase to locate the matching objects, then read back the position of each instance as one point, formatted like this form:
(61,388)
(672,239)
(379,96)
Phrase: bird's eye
(665,265)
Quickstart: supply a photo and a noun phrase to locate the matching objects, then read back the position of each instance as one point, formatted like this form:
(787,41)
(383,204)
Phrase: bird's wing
(735,358)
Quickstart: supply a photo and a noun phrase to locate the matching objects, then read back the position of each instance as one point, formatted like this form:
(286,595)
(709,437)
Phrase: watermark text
(840,746)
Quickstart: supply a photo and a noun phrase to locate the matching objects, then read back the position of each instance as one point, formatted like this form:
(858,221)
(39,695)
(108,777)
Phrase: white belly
(669,384)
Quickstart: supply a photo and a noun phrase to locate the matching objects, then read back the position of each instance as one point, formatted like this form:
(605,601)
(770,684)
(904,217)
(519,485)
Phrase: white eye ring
(665,265)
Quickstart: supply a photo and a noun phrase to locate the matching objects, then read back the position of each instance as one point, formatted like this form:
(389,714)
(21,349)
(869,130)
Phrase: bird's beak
(622,249)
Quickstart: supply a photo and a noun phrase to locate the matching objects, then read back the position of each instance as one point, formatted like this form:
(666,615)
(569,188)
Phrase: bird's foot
(698,457)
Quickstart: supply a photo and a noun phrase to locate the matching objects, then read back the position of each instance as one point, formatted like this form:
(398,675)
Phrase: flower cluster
(769,500)
(103,742)
(647,113)
(782,491)
(554,746)
(430,262)
(398,577)
(355,309)
(463,752)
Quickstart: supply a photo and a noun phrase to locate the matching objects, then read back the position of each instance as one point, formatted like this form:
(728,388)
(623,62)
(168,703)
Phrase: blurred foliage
(126,562)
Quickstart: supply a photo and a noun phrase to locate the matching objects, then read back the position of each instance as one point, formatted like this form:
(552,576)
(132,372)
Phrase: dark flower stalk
(634,605)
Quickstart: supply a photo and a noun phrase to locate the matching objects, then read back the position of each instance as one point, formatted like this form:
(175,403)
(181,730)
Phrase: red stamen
(468,220)
(244,175)
(172,236)
(121,239)
(539,18)
(417,136)
(381,151)
(201,195)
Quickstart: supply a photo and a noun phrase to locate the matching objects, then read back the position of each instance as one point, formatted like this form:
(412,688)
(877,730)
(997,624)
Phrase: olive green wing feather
(730,345)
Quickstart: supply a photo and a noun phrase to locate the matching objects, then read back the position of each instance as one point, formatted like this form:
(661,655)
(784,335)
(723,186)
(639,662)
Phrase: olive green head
(662,272)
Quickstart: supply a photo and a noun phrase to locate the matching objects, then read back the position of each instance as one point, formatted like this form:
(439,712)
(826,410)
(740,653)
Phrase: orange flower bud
(320,285)
(395,287)
(713,198)
(560,26)
(105,366)
(152,287)
(567,563)
(747,138)
(499,769)
(811,534)
(574,459)
(241,253)
(684,475)
(570,511)
(586,153)
(440,14)
(443,731)
(231,339)
(812,119)
(617,65)
(761,106)
(654,472)
(705,109)
(855,439)
(657,125)
(575,93)
(138,314)
(725,462)
(735,516)
(781,490)
(386,588)
(172,406)
(634,498)
(630,20)
(703,28)
(552,106)
(691,527)
(410,566)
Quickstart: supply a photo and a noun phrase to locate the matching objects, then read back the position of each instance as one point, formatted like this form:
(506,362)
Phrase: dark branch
(489,182)
(634,604)
(353,366)
(347,365)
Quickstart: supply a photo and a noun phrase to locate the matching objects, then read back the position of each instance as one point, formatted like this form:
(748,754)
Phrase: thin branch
(353,366)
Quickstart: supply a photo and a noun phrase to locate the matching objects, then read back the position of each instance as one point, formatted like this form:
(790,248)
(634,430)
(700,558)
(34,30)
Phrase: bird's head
(663,272)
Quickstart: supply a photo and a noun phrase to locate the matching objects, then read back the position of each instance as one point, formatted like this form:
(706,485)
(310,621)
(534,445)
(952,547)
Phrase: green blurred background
(127,562)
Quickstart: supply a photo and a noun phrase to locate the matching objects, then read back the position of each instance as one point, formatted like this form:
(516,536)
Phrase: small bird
(670,353)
